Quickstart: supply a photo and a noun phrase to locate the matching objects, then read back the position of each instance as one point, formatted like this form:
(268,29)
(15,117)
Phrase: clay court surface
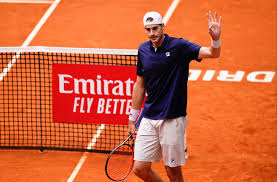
(232,130)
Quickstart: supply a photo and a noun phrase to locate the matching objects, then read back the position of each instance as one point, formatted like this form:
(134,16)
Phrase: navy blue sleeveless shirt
(165,72)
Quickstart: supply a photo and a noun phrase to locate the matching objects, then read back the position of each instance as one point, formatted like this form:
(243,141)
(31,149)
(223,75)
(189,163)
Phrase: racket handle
(139,118)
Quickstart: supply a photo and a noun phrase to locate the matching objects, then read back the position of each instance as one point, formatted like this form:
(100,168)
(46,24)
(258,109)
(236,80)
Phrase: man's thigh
(172,141)
(147,145)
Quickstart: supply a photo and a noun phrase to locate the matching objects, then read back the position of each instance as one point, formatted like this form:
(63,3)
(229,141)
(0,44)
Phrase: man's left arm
(214,30)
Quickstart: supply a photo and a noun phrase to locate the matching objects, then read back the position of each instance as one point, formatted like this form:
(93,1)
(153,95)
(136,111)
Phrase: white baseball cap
(157,18)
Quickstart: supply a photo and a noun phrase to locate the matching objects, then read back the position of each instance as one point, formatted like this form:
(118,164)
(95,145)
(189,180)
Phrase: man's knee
(141,169)
(138,170)
(174,173)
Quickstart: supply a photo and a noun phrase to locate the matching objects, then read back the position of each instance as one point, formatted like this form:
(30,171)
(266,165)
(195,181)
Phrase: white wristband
(216,43)
(133,114)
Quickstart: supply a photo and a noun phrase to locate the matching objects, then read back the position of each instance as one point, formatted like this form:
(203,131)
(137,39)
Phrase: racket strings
(120,163)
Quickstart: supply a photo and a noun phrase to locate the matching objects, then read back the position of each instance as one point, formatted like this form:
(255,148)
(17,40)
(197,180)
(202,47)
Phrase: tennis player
(162,72)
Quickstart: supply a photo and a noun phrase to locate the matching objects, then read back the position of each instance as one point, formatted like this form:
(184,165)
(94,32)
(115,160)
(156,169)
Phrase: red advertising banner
(92,93)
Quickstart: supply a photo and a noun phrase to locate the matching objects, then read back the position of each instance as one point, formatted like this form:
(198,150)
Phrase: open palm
(214,25)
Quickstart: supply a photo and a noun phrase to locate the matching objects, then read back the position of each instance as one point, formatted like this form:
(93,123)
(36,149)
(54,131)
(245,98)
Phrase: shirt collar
(162,46)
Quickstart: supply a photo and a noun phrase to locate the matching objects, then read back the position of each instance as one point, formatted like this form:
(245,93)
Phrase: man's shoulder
(177,40)
(144,45)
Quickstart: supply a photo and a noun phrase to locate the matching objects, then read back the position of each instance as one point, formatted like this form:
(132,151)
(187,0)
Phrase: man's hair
(149,19)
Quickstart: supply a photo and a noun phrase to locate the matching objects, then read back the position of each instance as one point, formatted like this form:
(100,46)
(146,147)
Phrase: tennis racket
(120,161)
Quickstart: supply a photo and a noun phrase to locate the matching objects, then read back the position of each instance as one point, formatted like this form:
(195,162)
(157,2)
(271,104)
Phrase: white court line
(167,16)
(26,1)
(29,38)
(170,11)
(85,155)
(40,23)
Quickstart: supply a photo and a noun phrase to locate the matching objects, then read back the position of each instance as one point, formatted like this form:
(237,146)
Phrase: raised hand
(214,25)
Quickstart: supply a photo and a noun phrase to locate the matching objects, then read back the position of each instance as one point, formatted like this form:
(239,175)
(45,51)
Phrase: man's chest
(160,60)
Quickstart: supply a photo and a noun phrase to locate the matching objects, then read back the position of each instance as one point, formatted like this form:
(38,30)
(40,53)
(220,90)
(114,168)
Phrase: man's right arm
(137,100)
(138,93)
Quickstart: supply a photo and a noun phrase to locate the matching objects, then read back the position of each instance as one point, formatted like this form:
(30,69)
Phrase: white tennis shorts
(161,138)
